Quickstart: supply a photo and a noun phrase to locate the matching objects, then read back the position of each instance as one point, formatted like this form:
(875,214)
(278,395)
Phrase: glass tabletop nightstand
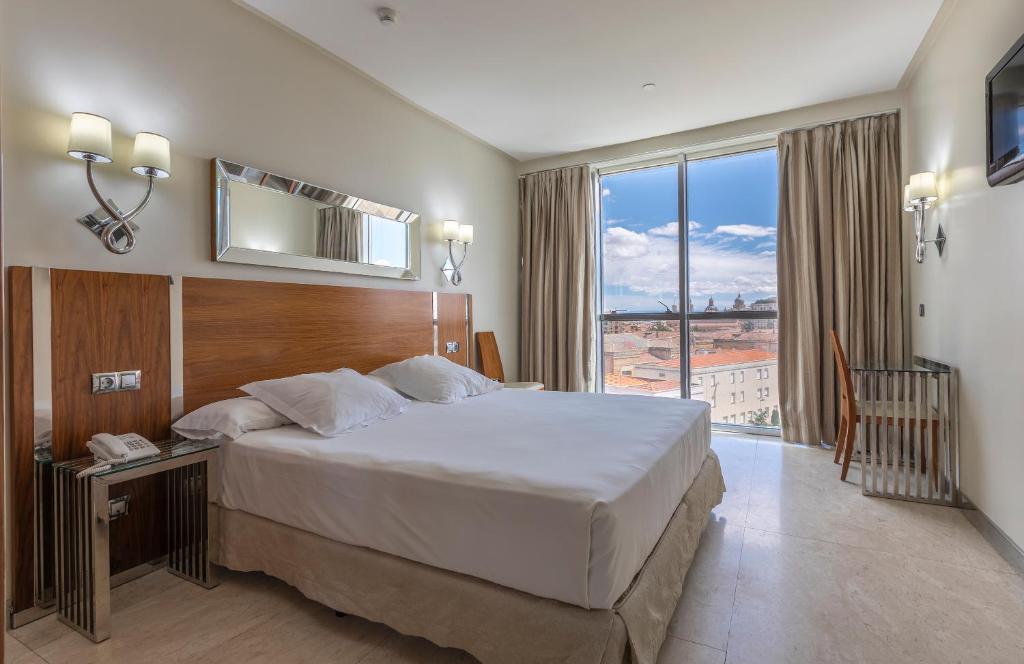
(83,512)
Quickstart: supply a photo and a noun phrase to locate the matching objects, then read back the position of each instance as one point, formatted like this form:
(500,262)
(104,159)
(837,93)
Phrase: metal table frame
(82,528)
(908,434)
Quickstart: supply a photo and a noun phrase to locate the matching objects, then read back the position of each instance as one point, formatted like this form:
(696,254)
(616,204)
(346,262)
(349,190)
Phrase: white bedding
(556,494)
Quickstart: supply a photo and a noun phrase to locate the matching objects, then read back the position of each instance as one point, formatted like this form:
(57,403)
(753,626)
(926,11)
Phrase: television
(1004,99)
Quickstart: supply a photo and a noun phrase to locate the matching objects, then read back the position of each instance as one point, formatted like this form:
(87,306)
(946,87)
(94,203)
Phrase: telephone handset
(111,450)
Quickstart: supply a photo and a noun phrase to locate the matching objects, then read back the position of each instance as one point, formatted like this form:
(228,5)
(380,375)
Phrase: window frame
(682,317)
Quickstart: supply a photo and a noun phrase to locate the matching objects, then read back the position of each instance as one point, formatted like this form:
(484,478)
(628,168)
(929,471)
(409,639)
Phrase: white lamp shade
(152,155)
(922,187)
(450,230)
(907,205)
(89,138)
(466,233)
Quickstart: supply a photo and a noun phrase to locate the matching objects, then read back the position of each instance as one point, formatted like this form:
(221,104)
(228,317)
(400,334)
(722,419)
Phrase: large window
(722,264)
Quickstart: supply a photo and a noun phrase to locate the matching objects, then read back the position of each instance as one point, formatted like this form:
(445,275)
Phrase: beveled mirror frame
(225,171)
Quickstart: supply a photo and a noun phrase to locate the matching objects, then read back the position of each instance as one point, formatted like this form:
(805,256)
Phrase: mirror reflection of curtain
(339,234)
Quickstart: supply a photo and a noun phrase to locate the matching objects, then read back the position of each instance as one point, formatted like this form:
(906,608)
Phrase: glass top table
(916,365)
(83,513)
(169,449)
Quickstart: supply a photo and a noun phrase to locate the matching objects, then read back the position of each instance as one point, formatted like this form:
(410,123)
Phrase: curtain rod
(639,156)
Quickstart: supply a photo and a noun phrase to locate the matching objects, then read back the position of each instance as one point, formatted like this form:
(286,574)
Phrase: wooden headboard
(236,332)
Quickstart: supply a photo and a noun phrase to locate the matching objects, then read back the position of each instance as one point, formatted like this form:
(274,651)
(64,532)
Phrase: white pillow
(229,419)
(329,403)
(434,378)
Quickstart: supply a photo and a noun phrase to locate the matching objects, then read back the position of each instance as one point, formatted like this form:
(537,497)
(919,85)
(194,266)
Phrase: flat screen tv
(1004,89)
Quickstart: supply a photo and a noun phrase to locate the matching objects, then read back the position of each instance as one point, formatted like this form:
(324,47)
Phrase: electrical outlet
(116,381)
(104,382)
(118,507)
(451,347)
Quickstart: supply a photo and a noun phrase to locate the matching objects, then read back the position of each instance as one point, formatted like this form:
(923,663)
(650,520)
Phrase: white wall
(220,81)
(974,314)
(727,132)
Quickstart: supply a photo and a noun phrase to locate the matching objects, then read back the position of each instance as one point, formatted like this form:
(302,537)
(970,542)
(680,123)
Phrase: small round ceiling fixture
(387,16)
(648,87)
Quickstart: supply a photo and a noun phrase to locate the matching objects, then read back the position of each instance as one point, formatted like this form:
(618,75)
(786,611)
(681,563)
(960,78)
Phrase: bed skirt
(495,624)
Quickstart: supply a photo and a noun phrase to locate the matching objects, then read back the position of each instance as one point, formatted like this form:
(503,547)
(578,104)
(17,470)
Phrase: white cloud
(624,243)
(606,192)
(746,230)
(613,222)
(671,229)
(648,263)
(693,225)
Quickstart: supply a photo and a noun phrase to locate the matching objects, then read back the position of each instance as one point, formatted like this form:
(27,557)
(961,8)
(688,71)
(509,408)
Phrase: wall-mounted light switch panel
(116,381)
(451,347)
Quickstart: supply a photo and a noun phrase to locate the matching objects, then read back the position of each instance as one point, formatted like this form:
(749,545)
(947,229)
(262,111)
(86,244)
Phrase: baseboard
(1007,549)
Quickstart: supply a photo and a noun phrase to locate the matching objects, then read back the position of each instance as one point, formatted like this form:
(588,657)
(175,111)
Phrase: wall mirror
(266,219)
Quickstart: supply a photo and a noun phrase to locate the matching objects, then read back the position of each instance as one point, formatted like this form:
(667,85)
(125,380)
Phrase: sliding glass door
(691,309)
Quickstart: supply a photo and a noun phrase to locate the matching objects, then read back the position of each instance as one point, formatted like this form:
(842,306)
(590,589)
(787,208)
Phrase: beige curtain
(339,234)
(556,212)
(840,261)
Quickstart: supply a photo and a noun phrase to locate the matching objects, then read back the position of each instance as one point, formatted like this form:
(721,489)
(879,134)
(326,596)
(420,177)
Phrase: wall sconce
(90,141)
(453,232)
(918,196)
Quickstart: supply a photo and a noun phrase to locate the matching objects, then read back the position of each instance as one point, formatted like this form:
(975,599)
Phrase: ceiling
(541,77)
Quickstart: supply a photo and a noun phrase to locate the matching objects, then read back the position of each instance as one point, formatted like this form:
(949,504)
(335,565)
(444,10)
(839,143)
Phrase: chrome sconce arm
(118,226)
(452,269)
(452,232)
(90,141)
(920,244)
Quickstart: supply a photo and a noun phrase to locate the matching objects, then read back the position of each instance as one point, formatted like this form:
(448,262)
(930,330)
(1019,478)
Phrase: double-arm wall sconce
(918,196)
(453,232)
(90,141)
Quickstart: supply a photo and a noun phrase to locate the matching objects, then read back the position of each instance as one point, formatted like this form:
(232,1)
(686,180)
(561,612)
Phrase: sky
(732,205)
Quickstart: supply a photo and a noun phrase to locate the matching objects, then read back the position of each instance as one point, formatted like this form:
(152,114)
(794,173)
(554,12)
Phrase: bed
(558,497)
(519,526)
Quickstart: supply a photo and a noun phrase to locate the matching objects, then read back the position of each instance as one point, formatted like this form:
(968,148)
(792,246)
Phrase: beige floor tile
(705,609)
(680,651)
(737,457)
(16,653)
(797,491)
(801,600)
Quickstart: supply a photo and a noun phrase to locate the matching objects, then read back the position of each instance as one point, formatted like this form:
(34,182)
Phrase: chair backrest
(490,359)
(845,378)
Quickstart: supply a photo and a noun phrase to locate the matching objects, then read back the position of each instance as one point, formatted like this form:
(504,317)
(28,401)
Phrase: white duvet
(559,495)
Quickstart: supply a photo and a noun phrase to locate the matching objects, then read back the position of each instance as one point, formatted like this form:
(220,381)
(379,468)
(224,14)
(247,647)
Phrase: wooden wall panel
(236,332)
(105,321)
(452,325)
(22,433)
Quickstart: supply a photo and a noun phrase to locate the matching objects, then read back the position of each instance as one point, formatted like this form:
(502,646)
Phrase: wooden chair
(850,416)
(490,362)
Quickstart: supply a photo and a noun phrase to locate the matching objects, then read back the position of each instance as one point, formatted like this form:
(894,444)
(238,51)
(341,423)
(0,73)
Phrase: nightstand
(524,386)
(82,516)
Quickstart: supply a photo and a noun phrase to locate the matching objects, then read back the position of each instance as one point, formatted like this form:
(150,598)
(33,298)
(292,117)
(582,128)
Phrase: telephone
(124,448)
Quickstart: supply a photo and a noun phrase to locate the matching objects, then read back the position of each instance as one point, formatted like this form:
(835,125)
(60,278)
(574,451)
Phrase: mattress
(561,495)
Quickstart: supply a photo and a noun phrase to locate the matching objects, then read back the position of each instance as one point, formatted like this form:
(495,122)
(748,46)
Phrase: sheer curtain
(840,262)
(556,212)
(339,234)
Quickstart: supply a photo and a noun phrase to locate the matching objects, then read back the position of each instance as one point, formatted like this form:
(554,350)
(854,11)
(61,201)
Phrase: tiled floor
(795,566)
